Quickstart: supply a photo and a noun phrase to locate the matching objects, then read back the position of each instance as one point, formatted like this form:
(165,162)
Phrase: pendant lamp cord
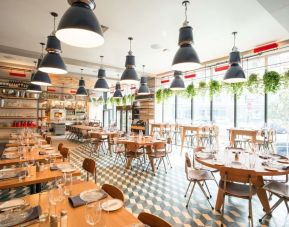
(42,48)
(130,39)
(81,70)
(143,73)
(101,61)
(54,21)
(234,47)
(185,3)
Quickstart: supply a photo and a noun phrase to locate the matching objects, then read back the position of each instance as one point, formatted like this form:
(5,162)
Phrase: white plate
(91,195)
(45,146)
(11,155)
(11,149)
(12,203)
(112,204)
(204,155)
(68,170)
(48,148)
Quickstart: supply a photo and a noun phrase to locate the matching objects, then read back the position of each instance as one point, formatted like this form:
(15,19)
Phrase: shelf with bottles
(14,84)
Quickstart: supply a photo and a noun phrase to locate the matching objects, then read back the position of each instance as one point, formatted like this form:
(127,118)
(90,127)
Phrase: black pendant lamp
(235,74)
(186,58)
(101,83)
(178,82)
(41,78)
(117,94)
(129,76)
(79,26)
(143,89)
(33,88)
(81,91)
(52,61)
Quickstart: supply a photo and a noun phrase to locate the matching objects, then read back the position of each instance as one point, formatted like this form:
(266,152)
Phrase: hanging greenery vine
(215,88)
(285,79)
(190,91)
(202,88)
(253,84)
(271,80)
(235,88)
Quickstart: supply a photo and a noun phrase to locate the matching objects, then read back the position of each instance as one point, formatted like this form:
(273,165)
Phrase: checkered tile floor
(163,194)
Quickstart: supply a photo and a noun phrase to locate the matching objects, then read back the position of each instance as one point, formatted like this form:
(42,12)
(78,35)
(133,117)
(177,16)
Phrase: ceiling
(151,22)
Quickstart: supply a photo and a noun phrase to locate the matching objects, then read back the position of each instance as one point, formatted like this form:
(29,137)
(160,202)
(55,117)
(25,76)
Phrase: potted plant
(202,88)
(190,91)
(159,95)
(253,84)
(285,79)
(235,88)
(271,81)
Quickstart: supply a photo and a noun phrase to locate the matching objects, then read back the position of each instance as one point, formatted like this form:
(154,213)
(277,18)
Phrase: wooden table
(144,142)
(257,181)
(76,217)
(191,128)
(233,132)
(29,156)
(36,177)
(85,127)
(159,126)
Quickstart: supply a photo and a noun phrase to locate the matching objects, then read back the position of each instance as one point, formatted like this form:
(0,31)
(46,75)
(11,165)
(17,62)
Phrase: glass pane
(169,110)
(183,110)
(158,112)
(201,109)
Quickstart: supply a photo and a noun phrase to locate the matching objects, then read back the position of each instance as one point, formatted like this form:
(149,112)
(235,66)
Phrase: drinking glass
(30,163)
(55,197)
(44,205)
(252,160)
(92,213)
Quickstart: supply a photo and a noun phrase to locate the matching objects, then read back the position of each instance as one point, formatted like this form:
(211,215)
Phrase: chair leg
(272,209)
(208,189)
(162,159)
(169,161)
(187,189)
(223,210)
(250,213)
(191,194)
(205,194)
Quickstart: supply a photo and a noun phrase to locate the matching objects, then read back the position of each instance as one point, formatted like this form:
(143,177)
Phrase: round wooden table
(260,172)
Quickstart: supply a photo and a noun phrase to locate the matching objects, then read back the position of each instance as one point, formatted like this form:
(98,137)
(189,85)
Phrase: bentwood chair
(152,220)
(60,145)
(89,166)
(280,190)
(65,153)
(238,184)
(113,191)
(197,177)
(132,152)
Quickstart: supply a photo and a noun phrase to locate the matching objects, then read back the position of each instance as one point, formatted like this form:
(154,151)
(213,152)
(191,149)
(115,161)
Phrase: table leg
(220,200)
(183,132)
(259,183)
(152,164)
(128,163)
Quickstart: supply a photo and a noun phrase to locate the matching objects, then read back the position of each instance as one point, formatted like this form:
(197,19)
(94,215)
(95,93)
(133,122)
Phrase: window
(169,110)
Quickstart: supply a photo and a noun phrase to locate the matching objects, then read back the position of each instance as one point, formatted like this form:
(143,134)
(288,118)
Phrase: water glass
(44,205)
(92,213)
(252,160)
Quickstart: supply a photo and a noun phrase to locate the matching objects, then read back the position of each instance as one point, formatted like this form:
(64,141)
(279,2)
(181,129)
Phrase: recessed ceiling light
(156,46)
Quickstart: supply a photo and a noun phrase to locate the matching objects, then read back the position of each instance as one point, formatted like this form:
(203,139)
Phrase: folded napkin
(36,212)
(13,174)
(76,201)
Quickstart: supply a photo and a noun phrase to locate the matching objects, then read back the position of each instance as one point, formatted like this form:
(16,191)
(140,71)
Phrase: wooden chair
(112,142)
(65,153)
(113,191)
(48,140)
(152,220)
(95,143)
(158,152)
(197,176)
(132,152)
(89,166)
(237,184)
(60,145)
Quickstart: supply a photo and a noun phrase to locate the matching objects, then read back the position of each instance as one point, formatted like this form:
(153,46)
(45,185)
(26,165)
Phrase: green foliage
(190,91)
(167,93)
(159,95)
(253,84)
(285,79)
(99,101)
(124,100)
(271,81)
(117,101)
(235,88)
(202,88)
(215,88)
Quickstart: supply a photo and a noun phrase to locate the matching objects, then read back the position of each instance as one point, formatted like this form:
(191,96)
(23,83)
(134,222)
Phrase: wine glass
(92,213)
(30,163)
(55,196)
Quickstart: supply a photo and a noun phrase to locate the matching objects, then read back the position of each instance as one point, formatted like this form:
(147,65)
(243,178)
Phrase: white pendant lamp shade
(79,26)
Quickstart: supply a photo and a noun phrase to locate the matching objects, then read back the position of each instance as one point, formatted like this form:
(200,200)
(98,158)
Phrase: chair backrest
(159,146)
(233,174)
(112,138)
(90,166)
(60,145)
(96,136)
(131,147)
(152,220)
(271,136)
(188,163)
(48,140)
(64,152)
(113,191)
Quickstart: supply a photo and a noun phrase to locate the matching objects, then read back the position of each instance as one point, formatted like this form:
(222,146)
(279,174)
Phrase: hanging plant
(285,79)
(130,98)
(117,101)
(159,95)
(271,80)
(202,88)
(99,101)
(235,88)
(167,93)
(215,88)
(253,84)
(124,100)
(190,91)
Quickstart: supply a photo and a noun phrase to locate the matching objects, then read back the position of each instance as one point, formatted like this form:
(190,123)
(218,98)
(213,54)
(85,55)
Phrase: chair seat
(236,189)
(133,154)
(278,188)
(157,155)
(199,175)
